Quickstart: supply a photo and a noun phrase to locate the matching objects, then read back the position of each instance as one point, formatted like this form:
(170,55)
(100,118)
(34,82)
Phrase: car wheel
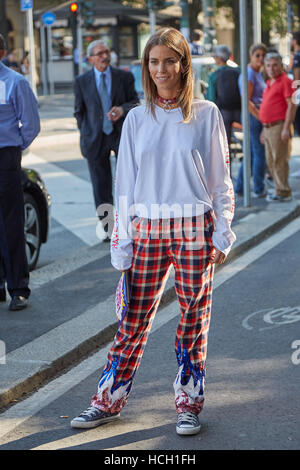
(32,229)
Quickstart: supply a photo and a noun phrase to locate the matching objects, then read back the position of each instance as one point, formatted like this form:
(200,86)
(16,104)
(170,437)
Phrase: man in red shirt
(277,113)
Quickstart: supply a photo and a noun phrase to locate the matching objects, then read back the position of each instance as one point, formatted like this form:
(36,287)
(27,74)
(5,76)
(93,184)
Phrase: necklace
(166,103)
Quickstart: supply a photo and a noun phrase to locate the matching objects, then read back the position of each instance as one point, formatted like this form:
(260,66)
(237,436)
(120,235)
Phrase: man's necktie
(106,105)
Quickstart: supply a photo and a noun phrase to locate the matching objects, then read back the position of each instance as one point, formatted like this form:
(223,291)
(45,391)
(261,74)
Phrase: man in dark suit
(103,97)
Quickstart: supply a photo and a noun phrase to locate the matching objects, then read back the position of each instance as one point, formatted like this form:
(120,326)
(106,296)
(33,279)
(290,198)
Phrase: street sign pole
(152,16)
(44,60)
(27,6)
(79,41)
(50,67)
(245,112)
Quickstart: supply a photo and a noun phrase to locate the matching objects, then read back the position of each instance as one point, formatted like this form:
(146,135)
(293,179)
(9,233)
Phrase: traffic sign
(48,18)
(26,5)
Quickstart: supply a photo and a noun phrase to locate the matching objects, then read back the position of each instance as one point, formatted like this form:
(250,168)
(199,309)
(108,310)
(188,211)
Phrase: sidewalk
(72,311)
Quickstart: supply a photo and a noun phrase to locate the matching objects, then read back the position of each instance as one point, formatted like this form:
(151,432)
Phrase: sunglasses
(100,54)
(259,55)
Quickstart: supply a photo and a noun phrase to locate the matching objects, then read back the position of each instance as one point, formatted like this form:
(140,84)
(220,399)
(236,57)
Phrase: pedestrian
(256,86)
(296,74)
(277,112)
(172,180)
(223,89)
(19,125)
(103,97)
(196,45)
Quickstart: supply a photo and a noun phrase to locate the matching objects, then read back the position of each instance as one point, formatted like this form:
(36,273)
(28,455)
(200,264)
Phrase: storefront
(122,28)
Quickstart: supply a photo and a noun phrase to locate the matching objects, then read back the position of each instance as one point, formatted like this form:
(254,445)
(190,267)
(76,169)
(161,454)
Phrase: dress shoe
(2,294)
(17,303)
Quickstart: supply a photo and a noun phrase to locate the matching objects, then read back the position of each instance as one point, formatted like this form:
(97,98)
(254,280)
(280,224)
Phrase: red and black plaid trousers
(157,246)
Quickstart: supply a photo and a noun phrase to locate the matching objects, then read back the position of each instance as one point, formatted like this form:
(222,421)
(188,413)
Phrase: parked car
(37,202)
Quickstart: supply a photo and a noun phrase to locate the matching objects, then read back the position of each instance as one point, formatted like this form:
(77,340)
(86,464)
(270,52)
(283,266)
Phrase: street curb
(48,371)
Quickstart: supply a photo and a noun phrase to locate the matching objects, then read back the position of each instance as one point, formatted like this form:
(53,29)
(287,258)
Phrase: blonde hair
(174,40)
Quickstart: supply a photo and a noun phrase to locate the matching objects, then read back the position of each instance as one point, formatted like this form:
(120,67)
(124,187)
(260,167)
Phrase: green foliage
(273,13)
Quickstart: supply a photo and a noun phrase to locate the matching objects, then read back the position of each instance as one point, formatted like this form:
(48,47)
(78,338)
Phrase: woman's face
(257,58)
(165,70)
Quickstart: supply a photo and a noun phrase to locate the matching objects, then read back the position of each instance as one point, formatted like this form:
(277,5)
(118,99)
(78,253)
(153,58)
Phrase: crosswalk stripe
(72,199)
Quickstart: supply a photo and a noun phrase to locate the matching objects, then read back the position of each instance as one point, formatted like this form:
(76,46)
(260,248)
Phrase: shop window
(62,44)
(126,42)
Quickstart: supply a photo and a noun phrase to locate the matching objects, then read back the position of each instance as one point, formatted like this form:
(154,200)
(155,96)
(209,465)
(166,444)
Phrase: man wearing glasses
(103,97)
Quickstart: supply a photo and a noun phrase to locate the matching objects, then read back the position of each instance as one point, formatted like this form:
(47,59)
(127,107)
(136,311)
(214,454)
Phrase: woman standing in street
(174,206)
(256,86)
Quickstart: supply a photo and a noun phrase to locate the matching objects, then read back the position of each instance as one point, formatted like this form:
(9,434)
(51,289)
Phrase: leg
(228,119)
(281,155)
(258,156)
(12,240)
(239,184)
(148,274)
(100,173)
(193,284)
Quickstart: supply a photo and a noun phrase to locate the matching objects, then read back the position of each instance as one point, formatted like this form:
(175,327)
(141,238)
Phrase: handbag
(122,296)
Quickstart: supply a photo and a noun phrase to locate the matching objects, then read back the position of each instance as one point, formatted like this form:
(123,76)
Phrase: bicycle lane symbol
(273,317)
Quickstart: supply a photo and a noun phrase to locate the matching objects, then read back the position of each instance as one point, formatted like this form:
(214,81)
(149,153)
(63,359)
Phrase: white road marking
(25,409)
(72,199)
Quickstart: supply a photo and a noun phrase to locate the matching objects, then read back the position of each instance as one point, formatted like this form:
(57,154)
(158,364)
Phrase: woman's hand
(217,256)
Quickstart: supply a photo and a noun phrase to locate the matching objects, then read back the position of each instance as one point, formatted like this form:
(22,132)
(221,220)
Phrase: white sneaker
(276,198)
(187,424)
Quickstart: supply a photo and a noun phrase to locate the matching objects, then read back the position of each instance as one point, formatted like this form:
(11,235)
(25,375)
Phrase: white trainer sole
(92,424)
(187,431)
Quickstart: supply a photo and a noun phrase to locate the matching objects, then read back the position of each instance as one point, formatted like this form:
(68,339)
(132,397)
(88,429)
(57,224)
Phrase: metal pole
(290,14)
(257,21)
(30,32)
(209,10)
(152,21)
(79,42)
(44,60)
(50,64)
(245,112)
(184,22)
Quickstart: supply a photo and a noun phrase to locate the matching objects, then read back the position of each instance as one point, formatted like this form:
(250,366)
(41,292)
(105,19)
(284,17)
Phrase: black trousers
(12,239)
(229,117)
(100,173)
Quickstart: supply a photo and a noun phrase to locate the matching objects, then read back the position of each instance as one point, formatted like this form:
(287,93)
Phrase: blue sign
(48,18)
(26,5)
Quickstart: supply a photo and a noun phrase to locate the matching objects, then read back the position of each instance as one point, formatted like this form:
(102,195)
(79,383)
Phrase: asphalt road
(253,372)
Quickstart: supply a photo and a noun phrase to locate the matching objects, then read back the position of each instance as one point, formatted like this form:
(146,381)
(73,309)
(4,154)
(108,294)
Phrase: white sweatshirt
(164,162)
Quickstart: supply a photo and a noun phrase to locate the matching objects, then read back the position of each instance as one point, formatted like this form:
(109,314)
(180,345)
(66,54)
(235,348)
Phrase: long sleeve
(79,104)
(121,242)
(26,108)
(220,187)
